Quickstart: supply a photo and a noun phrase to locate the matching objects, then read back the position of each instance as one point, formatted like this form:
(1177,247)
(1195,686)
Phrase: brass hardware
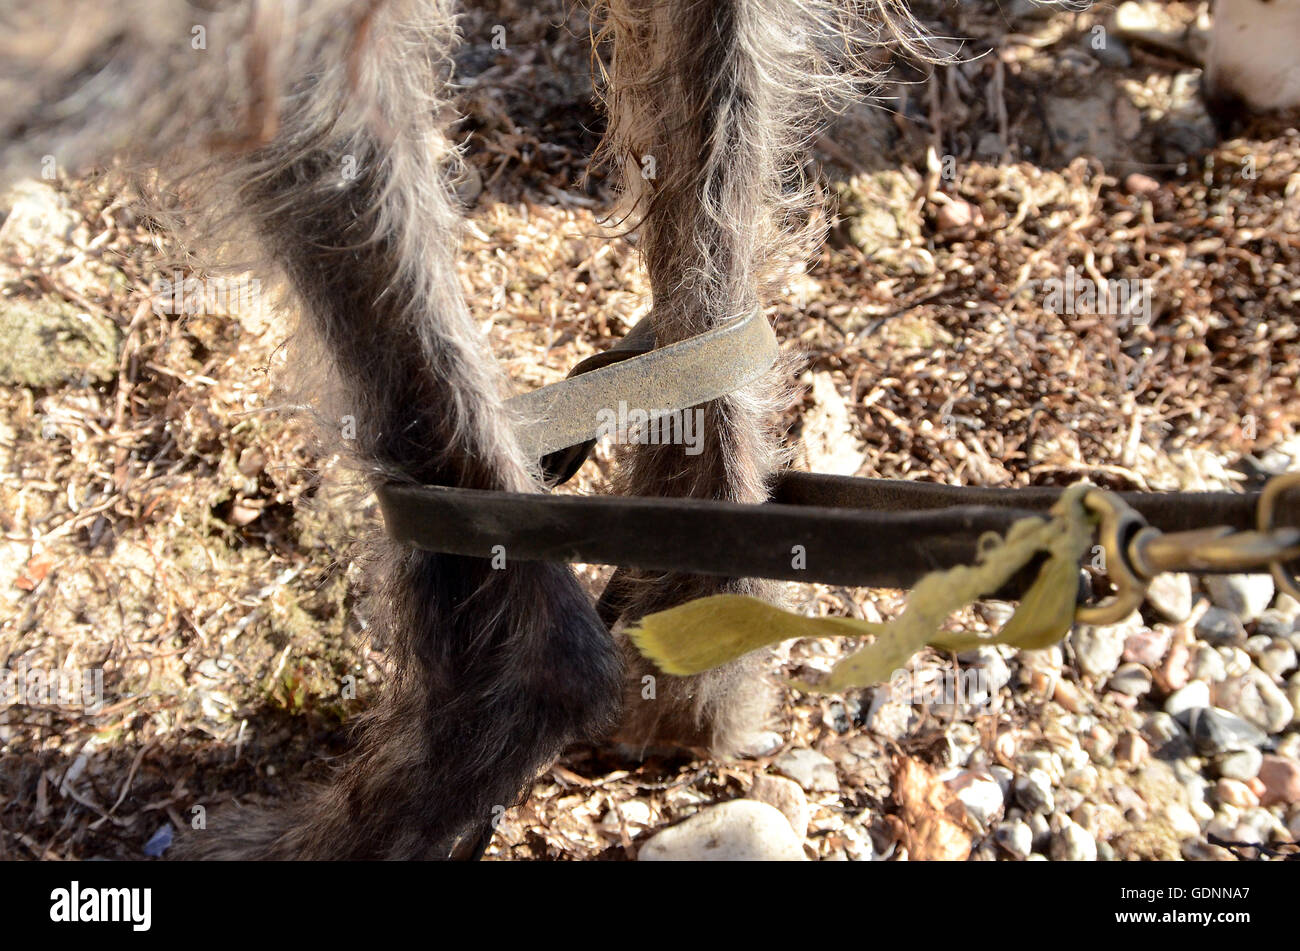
(1267,503)
(1135,552)
(1210,549)
(1116,522)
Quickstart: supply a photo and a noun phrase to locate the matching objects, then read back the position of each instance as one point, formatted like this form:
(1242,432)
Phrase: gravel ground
(166,518)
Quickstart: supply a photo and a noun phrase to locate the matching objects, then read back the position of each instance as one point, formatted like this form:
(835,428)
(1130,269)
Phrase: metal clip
(1118,522)
(1276,487)
(1135,552)
(1217,549)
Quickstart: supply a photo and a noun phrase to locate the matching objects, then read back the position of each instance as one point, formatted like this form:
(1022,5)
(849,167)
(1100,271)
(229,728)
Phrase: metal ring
(1268,498)
(1118,521)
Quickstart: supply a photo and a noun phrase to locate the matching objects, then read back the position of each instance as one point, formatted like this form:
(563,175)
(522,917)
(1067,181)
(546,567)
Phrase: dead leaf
(38,566)
(932,813)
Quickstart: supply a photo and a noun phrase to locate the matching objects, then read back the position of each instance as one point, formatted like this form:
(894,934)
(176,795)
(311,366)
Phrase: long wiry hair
(712,108)
(314,129)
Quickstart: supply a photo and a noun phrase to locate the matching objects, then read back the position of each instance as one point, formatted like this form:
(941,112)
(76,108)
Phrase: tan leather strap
(663,380)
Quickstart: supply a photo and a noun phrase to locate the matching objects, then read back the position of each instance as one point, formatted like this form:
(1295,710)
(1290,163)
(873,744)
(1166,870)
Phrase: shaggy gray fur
(313,127)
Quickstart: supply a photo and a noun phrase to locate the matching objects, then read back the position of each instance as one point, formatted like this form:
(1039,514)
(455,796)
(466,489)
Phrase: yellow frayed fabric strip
(708,632)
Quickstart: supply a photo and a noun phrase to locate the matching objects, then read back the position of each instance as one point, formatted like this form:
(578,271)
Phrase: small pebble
(1274,623)
(1275,657)
(1015,837)
(1004,778)
(1256,698)
(890,719)
(1068,696)
(1070,753)
(1163,728)
(810,769)
(1099,649)
(1068,800)
(1100,743)
(1265,823)
(1083,778)
(858,845)
(1195,694)
(1172,674)
(996,672)
(785,795)
(1246,596)
(1218,626)
(1171,596)
(1128,800)
(1131,750)
(1041,829)
(1047,760)
(1147,647)
(739,830)
(1207,664)
(1280,778)
(763,744)
(963,740)
(1131,679)
(1034,792)
(1235,793)
(1289,746)
(1287,606)
(981,797)
(1182,821)
(1072,843)
(1218,731)
(957,215)
(1240,764)
(1236,662)
(837,717)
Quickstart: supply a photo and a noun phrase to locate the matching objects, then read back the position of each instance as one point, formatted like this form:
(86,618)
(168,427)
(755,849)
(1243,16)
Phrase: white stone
(738,831)
(1034,792)
(1072,843)
(1182,821)
(787,796)
(1254,697)
(1246,596)
(1099,649)
(1016,838)
(1207,664)
(810,769)
(980,795)
(1195,694)
(1171,595)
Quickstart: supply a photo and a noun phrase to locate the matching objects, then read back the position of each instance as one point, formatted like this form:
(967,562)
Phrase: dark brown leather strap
(1167,511)
(831,529)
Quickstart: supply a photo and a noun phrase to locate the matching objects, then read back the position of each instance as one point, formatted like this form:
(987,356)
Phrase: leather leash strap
(1167,511)
(832,529)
